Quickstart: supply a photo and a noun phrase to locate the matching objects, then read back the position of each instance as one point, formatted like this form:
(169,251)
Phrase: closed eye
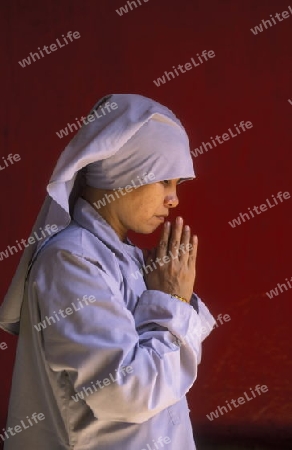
(167,182)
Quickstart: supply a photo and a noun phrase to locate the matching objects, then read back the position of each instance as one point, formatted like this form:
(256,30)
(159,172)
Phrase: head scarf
(125,136)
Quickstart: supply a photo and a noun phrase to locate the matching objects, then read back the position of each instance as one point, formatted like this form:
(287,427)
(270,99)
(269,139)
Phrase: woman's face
(142,209)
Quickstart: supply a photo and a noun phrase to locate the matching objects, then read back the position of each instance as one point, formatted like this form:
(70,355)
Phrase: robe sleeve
(132,360)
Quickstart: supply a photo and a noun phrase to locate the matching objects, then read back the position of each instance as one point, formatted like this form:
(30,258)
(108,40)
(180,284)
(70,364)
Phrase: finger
(185,245)
(193,251)
(175,238)
(163,243)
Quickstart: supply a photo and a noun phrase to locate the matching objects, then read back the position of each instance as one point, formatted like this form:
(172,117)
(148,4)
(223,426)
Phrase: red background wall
(247,80)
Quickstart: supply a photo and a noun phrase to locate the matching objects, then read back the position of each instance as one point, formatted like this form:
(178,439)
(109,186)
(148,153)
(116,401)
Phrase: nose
(171,200)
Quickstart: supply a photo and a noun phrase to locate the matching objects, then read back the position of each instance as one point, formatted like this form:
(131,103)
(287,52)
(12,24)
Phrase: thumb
(151,254)
(148,254)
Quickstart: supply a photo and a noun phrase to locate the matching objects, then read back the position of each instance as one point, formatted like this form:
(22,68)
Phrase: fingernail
(179,220)
(166,224)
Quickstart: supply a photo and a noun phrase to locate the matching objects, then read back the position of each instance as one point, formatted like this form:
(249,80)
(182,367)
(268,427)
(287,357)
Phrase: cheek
(144,204)
(147,209)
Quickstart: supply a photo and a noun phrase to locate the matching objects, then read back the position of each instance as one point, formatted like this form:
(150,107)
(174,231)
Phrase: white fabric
(150,147)
(63,356)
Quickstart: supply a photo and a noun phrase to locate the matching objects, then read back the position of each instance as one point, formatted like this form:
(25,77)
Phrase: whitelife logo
(263,207)
(199,331)
(166,259)
(268,23)
(9,160)
(53,47)
(49,229)
(3,346)
(124,9)
(110,197)
(187,66)
(19,428)
(274,292)
(158,444)
(205,146)
(65,313)
(101,384)
(91,118)
(241,400)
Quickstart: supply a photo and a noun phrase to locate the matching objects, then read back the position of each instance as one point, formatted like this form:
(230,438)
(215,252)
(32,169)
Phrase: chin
(144,229)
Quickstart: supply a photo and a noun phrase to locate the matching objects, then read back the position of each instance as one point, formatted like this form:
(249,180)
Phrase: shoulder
(79,247)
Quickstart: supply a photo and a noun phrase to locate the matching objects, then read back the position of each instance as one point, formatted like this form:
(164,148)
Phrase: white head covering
(137,137)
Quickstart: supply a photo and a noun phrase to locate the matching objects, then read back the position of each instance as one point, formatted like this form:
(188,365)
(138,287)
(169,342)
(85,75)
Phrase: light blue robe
(131,353)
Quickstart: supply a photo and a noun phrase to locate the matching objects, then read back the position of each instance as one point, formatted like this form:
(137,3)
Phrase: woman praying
(109,335)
